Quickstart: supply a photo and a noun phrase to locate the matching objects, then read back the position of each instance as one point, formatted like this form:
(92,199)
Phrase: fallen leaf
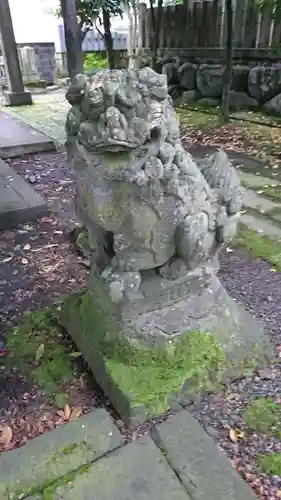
(260,191)
(27,247)
(7,259)
(6,435)
(75,354)
(232,435)
(39,352)
(24,261)
(229,250)
(60,413)
(67,412)
(76,413)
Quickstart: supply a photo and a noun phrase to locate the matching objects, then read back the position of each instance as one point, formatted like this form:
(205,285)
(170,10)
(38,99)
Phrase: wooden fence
(203,24)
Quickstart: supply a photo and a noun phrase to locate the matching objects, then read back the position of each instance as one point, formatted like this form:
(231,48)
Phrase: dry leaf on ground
(6,435)
(67,412)
(76,412)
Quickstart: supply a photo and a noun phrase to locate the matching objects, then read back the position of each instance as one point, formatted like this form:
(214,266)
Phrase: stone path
(19,203)
(87,458)
(17,138)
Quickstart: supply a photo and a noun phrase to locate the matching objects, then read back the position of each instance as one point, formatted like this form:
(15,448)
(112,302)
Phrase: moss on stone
(259,246)
(270,463)
(67,450)
(47,491)
(151,377)
(36,350)
(263,415)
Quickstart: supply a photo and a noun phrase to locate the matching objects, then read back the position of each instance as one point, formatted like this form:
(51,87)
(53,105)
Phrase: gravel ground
(39,263)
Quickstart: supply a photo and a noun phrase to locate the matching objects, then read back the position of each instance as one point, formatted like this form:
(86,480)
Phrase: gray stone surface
(187,76)
(254,180)
(189,96)
(257,202)
(136,472)
(17,138)
(19,203)
(241,100)
(209,79)
(274,104)
(264,82)
(17,98)
(57,453)
(202,468)
(262,225)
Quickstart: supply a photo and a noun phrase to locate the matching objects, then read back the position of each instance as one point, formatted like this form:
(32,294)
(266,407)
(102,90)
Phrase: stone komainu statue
(145,202)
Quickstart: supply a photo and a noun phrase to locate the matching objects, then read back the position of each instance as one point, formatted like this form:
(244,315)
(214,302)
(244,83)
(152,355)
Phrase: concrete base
(17,98)
(166,322)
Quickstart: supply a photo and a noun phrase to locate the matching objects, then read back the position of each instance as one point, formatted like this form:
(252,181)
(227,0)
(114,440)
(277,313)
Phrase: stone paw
(122,285)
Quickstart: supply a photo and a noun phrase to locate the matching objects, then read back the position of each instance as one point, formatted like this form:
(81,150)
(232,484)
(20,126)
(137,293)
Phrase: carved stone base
(176,339)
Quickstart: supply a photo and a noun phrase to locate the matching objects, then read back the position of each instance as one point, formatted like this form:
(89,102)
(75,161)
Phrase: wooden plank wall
(203,24)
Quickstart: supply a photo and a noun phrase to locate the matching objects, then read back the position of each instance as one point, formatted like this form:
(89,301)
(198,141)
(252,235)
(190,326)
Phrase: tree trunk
(108,40)
(72,37)
(228,61)
(156,26)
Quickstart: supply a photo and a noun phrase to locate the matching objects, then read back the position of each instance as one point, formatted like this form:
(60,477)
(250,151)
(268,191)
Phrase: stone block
(58,453)
(201,466)
(209,79)
(264,82)
(187,76)
(17,98)
(136,472)
(142,353)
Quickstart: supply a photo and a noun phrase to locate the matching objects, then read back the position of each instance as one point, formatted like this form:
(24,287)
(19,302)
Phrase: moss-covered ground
(259,246)
(38,349)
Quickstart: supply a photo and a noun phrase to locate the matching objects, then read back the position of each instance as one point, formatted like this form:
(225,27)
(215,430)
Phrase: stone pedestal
(16,96)
(168,345)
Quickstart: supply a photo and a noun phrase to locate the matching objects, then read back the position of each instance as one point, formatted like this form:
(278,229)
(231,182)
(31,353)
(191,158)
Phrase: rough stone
(171,70)
(240,78)
(274,105)
(209,79)
(187,76)
(138,471)
(55,454)
(209,102)
(264,82)
(202,468)
(189,96)
(241,100)
(156,221)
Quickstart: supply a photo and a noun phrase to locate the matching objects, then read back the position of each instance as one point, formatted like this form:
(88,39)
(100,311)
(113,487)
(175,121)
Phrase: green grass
(94,62)
(37,350)
(270,463)
(259,246)
(263,416)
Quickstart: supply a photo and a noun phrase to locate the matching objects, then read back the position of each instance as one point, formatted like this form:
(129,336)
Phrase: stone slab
(258,202)
(255,181)
(201,466)
(18,138)
(138,471)
(57,453)
(19,203)
(262,225)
